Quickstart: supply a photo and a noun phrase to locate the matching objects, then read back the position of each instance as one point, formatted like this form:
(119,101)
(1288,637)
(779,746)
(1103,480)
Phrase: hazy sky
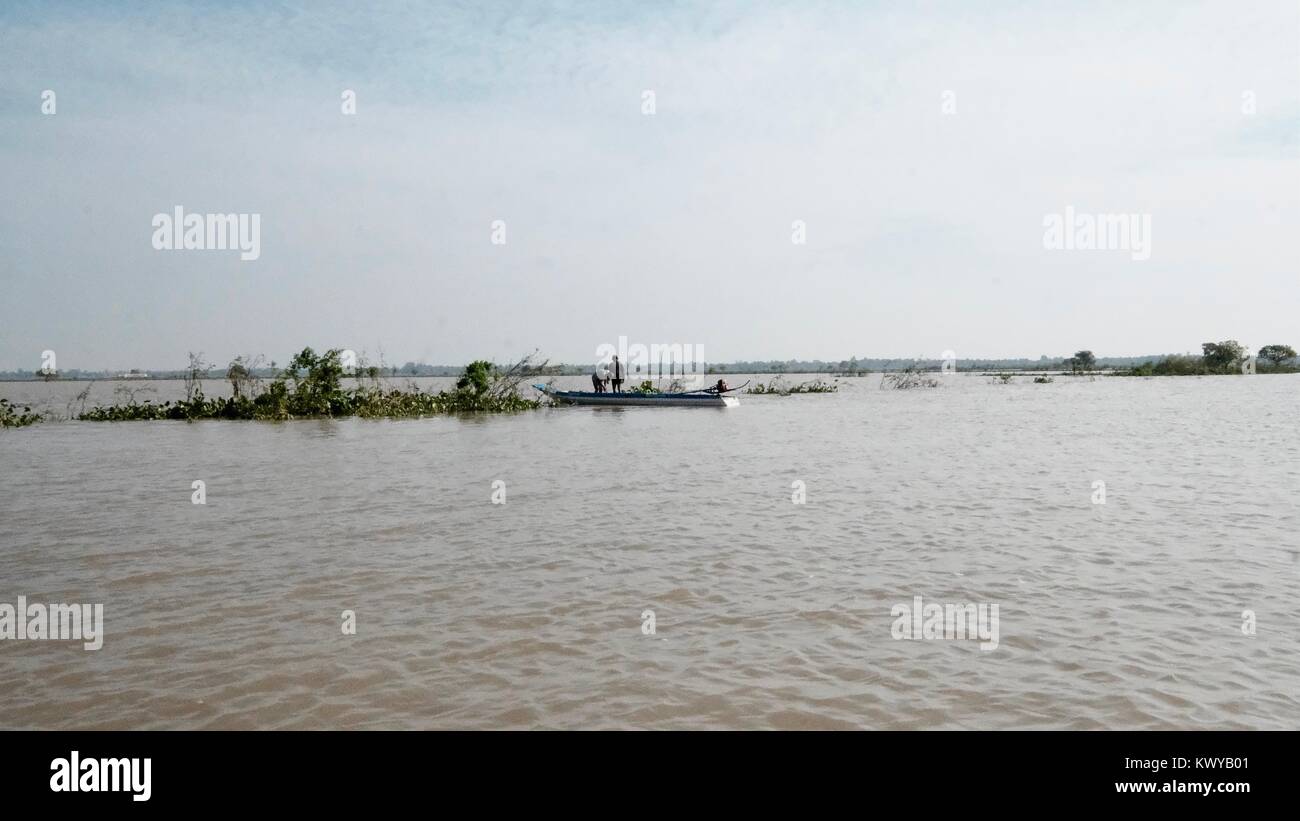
(924,227)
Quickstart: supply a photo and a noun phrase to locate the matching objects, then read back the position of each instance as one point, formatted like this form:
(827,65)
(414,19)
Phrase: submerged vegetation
(778,387)
(910,377)
(12,417)
(311,386)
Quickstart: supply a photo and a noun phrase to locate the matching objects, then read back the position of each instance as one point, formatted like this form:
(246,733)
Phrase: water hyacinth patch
(311,387)
(12,417)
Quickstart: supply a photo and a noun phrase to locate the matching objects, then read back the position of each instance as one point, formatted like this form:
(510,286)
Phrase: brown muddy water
(767,613)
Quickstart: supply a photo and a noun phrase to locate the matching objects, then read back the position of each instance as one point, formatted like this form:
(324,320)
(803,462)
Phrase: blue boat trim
(633,399)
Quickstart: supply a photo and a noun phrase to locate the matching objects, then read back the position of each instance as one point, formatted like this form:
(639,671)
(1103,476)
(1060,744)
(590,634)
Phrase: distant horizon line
(833,364)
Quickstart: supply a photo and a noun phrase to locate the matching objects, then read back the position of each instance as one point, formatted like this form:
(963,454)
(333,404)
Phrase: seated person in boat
(722,386)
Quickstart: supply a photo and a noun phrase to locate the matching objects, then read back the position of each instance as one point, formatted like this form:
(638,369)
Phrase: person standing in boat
(597,385)
(617,374)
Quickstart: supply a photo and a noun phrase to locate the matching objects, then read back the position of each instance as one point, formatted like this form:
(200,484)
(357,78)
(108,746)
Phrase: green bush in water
(311,386)
(477,378)
(11,417)
(778,387)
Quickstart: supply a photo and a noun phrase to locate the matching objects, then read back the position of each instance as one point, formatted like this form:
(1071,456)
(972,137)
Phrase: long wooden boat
(698,399)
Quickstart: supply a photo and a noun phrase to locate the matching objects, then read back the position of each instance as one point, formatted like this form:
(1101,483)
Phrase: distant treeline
(856,366)
(1228,356)
(1216,357)
(769,366)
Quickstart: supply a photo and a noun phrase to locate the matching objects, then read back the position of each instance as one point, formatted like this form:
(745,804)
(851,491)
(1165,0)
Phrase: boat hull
(669,400)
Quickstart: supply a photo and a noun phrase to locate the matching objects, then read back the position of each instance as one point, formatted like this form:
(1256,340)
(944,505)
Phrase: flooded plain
(670,567)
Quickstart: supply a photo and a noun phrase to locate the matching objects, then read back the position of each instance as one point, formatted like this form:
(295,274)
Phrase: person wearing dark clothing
(617,374)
